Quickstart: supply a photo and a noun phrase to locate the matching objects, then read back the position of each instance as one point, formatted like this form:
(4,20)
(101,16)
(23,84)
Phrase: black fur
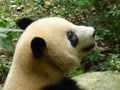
(64,84)
(23,22)
(72,37)
(38,45)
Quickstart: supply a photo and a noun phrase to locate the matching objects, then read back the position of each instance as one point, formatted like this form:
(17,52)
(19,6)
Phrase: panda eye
(72,37)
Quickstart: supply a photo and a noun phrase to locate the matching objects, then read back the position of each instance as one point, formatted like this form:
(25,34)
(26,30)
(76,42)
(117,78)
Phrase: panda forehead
(54,20)
(54,27)
(54,23)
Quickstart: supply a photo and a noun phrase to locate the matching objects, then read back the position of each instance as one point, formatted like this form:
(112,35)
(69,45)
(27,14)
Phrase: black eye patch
(72,37)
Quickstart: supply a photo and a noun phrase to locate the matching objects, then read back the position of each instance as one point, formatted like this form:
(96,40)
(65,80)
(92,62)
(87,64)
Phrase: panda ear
(23,22)
(38,45)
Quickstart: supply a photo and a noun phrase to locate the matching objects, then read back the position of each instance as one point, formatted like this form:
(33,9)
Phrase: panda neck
(32,76)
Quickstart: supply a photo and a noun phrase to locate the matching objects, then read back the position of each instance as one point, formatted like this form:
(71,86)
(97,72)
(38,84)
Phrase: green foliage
(4,67)
(114,61)
(4,22)
(76,72)
(6,39)
(98,61)
(6,44)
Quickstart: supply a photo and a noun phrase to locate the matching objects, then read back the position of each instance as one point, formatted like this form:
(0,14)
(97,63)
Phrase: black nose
(94,33)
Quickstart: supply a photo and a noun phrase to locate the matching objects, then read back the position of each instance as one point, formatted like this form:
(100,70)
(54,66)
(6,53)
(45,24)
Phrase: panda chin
(88,48)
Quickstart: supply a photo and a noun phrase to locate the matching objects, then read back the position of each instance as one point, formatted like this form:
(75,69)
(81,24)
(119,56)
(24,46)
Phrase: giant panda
(47,50)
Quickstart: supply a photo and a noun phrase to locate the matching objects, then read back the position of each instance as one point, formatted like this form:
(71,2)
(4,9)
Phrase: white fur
(26,73)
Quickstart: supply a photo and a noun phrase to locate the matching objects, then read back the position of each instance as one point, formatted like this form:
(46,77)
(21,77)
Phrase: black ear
(23,22)
(38,45)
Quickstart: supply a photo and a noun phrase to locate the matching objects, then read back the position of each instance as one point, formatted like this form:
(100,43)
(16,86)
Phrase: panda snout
(90,40)
(87,31)
(91,31)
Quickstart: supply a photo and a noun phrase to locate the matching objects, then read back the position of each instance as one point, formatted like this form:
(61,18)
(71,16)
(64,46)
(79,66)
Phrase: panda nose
(94,33)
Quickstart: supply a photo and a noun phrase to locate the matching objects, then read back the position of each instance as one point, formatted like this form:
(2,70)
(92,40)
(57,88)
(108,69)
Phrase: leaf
(7,44)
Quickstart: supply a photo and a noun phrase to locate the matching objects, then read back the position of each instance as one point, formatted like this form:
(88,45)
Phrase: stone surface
(99,80)
(1,86)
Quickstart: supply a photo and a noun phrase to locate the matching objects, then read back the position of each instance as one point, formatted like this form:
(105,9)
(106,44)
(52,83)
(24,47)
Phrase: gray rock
(1,86)
(99,80)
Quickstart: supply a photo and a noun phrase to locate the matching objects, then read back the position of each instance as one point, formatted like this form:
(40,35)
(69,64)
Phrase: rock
(1,86)
(99,80)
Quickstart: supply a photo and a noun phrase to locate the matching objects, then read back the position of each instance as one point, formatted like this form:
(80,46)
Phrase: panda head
(55,41)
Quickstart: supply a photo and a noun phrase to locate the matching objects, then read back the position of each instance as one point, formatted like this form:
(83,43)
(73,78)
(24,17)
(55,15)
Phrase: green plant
(76,72)
(4,68)
(4,22)
(114,61)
